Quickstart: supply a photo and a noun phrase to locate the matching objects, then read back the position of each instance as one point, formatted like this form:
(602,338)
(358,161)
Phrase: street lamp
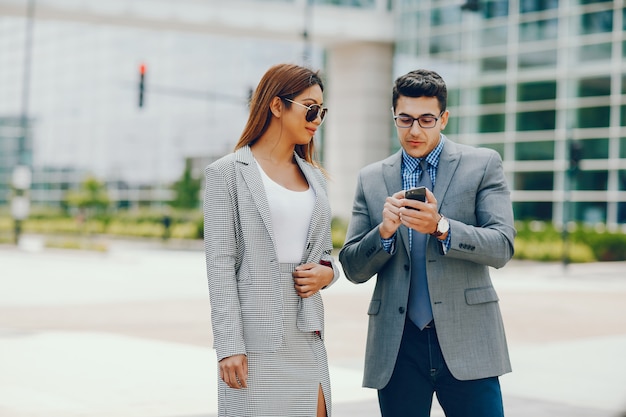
(22,177)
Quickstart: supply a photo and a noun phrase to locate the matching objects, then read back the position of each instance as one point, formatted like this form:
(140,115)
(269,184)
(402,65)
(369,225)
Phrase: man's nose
(416,129)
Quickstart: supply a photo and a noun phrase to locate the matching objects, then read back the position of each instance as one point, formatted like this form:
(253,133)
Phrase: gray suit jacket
(242,265)
(471,191)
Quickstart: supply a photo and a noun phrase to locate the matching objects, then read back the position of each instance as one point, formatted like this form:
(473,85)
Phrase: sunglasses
(313,111)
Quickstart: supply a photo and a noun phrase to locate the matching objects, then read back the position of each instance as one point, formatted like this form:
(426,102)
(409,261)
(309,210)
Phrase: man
(434,320)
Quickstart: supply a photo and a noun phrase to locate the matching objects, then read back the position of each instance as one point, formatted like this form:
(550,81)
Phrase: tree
(92,196)
(187,190)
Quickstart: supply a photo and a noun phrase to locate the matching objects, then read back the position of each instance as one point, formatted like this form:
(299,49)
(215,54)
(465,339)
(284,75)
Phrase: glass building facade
(529,78)
(83,103)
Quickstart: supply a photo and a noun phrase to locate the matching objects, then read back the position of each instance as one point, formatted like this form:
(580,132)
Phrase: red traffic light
(142,73)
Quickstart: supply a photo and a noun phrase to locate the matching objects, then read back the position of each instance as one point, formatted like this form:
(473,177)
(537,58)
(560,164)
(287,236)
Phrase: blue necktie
(420,310)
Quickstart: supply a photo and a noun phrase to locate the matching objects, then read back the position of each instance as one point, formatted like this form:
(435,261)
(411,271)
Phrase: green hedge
(539,241)
(542,241)
(141,223)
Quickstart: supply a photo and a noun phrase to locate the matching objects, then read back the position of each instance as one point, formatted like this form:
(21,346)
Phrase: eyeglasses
(313,111)
(406,122)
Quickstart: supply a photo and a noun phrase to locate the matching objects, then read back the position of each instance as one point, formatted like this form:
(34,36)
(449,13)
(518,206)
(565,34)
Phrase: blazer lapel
(392,175)
(448,162)
(252,177)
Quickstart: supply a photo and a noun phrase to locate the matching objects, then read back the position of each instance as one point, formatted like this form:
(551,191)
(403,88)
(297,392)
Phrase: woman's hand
(310,278)
(234,371)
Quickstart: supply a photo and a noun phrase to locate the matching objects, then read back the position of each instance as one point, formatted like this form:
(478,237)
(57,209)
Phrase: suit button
(401,310)
(406,267)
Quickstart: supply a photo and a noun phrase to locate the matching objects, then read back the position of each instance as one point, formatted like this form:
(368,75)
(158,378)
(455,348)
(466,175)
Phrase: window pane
(622,147)
(594,116)
(621,212)
(491,123)
(534,181)
(540,210)
(494,36)
(591,180)
(621,175)
(590,212)
(538,30)
(528,6)
(599,22)
(545,90)
(534,151)
(493,94)
(536,120)
(595,148)
(599,86)
(445,43)
(453,97)
(445,16)
(452,128)
(495,8)
(538,59)
(498,147)
(623,115)
(601,51)
(493,64)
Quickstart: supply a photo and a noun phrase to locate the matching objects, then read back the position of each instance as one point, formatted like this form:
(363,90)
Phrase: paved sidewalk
(128,334)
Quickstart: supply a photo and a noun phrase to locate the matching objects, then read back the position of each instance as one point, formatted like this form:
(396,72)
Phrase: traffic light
(142,75)
(575,155)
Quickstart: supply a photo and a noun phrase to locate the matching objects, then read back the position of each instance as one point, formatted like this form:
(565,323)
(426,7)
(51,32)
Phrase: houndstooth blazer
(242,264)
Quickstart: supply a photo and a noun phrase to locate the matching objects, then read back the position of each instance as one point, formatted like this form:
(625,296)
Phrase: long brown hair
(285,81)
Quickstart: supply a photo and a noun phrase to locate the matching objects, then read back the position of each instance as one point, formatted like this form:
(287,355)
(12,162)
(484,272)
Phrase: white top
(291,213)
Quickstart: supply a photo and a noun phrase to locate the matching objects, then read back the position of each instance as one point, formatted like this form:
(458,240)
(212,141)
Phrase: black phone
(418,194)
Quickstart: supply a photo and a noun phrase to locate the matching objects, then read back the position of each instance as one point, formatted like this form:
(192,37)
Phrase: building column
(358,95)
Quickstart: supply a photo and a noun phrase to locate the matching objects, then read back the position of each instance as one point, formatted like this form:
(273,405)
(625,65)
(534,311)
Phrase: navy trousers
(421,371)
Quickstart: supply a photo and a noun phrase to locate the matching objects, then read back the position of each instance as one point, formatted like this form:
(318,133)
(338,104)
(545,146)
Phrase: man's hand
(391,215)
(419,216)
(234,371)
(310,278)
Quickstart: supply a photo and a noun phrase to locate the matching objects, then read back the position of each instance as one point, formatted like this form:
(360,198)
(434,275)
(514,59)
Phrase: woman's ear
(276,106)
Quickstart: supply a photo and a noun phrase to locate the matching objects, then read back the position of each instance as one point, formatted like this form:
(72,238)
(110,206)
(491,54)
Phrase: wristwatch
(442,226)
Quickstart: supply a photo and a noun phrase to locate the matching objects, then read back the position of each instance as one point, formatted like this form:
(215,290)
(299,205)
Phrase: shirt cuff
(445,244)
(388,244)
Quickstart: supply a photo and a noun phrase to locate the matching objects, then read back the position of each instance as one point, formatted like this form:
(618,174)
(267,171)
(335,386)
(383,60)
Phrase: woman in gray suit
(268,252)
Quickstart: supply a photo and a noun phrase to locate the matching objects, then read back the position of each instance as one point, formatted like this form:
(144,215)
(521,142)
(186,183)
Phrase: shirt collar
(432,158)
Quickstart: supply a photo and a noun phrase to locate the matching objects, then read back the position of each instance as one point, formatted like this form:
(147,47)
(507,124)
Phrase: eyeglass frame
(395,120)
(321,113)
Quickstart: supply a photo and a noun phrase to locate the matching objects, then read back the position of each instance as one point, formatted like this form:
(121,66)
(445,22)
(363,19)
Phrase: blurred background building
(541,81)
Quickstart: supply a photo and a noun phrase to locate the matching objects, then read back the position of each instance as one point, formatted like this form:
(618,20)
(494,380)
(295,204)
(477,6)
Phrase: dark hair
(421,83)
(285,81)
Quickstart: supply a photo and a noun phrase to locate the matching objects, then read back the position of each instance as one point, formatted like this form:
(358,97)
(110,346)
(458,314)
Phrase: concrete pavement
(127,334)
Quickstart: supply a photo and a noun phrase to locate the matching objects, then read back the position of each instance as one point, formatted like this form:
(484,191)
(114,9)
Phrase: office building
(532,79)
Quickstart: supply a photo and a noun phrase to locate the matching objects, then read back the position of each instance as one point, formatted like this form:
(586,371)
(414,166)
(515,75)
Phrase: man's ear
(276,106)
(444,119)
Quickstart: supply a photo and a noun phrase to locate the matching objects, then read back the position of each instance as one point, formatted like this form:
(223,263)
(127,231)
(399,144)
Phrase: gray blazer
(471,191)
(241,260)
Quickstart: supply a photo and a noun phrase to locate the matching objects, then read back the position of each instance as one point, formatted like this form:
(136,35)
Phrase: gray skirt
(283,383)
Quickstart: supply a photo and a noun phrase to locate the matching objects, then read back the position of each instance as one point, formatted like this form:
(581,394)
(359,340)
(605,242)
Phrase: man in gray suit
(434,321)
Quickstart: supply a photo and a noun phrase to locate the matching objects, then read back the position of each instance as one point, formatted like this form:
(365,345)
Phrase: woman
(268,250)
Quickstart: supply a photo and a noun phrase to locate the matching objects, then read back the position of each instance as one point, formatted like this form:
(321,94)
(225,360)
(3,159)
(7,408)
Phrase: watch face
(443,225)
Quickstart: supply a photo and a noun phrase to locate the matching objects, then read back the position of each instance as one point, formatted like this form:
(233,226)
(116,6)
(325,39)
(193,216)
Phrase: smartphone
(418,193)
